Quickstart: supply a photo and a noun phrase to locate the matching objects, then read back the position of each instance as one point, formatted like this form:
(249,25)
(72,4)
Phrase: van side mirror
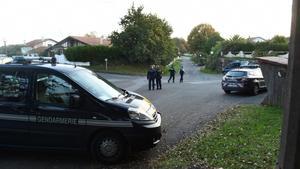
(74,100)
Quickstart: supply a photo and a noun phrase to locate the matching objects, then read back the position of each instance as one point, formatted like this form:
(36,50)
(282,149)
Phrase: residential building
(73,41)
(37,46)
(256,39)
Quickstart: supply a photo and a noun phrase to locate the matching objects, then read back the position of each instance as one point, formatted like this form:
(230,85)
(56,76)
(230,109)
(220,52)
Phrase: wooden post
(290,137)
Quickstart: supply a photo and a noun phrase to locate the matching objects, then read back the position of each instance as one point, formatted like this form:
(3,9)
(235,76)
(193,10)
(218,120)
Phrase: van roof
(63,68)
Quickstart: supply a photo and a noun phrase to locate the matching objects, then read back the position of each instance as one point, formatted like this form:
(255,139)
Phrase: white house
(37,46)
(256,39)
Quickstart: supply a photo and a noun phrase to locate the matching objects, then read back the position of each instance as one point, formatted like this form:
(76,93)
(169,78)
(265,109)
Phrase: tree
(202,38)
(279,39)
(12,50)
(144,38)
(92,34)
(181,45)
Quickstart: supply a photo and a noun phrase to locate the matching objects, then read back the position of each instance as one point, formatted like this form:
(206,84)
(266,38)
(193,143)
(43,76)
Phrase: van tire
(227,91)
(108,147)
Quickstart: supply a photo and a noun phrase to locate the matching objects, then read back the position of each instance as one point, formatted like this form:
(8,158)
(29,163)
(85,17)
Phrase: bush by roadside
(241,138)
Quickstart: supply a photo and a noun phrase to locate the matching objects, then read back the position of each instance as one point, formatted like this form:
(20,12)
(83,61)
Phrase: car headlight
(136,114)
(224,78)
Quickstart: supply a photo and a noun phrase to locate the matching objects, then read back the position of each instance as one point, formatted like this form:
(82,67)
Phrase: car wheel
(108,148)
(227,91)
(255,90)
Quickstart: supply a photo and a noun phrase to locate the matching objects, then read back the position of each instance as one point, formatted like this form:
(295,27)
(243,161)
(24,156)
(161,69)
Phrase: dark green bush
(95,54)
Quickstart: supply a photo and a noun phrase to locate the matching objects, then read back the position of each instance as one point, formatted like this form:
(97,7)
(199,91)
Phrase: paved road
(185,107)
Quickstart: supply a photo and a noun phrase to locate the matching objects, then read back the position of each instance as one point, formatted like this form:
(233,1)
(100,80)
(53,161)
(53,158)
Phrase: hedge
(95,54)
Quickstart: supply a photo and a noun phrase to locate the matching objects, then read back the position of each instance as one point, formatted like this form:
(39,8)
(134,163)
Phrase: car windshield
(98,87)
(236,73)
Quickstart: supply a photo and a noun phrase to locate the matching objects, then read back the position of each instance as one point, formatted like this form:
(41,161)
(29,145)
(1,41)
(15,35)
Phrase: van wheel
(108,147)
(255,90)
(227,91)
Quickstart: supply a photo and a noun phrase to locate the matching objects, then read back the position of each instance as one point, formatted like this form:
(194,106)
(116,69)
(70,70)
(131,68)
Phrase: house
(37,46)
(256,39)
(73,41)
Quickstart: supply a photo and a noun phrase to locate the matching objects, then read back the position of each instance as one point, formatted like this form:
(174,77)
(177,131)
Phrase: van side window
(13,86)
(54,90)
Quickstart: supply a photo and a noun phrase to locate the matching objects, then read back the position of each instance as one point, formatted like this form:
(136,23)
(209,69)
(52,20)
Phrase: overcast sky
(25,20)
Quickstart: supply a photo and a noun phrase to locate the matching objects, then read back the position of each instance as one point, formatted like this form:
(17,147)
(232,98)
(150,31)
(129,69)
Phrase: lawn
(121,69)
(132,69)
(241,138)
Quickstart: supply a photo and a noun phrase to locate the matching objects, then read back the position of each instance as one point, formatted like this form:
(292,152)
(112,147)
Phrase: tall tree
(181,45)
(144,38)
(202,38)
(279,39)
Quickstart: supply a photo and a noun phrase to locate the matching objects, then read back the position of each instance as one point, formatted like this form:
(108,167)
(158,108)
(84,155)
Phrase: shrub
(94,54)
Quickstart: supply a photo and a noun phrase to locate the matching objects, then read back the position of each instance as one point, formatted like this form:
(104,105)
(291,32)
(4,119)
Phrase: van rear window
(13,86)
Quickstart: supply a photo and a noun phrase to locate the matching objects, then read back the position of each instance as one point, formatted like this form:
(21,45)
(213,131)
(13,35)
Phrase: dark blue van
(72,108)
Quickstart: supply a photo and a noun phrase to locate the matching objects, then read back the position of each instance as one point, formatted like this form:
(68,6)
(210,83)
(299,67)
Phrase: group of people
(154,75)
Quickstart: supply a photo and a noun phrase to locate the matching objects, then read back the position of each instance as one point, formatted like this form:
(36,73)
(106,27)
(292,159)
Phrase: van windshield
(98,87)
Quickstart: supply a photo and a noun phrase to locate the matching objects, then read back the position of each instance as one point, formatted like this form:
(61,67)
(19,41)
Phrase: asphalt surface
(185,108)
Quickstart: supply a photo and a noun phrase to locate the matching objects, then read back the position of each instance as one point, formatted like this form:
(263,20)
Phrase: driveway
(185,108)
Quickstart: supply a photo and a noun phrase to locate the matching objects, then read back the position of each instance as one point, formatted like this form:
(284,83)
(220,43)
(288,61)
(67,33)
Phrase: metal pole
(290,136)
(106,63)
(5,47)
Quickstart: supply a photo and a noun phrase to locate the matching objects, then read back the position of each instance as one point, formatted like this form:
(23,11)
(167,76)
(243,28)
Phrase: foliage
(94,54)
(92,34)
(279,39)
(181,45)
(12,50)
(145,38)
(121,68)
(242,138)
(202,38)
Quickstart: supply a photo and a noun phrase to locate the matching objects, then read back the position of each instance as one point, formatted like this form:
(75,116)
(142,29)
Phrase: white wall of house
(48,43)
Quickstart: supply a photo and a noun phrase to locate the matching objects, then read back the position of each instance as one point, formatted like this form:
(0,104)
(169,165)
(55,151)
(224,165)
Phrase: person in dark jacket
(53,60)
(172,74)
(181,72)
(158,77)
(151,77)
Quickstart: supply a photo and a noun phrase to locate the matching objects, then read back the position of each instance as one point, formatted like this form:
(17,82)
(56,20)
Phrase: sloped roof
(93,41)
(37,41)
(254,38)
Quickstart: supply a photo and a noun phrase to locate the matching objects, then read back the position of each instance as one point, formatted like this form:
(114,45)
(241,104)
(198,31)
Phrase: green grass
(208,71)
(121,69)
(242,138)
(135,69)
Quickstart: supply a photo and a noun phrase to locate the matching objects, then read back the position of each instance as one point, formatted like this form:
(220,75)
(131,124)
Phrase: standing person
(181,72)
(53,60)
(158,77)
(151,77)
(172,74)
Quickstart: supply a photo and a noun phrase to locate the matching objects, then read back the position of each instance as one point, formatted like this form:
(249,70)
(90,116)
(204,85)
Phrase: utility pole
(5,47)
(290,137)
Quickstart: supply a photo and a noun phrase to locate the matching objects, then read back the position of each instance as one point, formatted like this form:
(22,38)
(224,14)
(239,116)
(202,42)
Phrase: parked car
(20,60)
(71,108)
(244,80)
(234,65)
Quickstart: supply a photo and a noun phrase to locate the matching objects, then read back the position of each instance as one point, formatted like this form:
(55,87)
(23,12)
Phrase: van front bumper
(145,136)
